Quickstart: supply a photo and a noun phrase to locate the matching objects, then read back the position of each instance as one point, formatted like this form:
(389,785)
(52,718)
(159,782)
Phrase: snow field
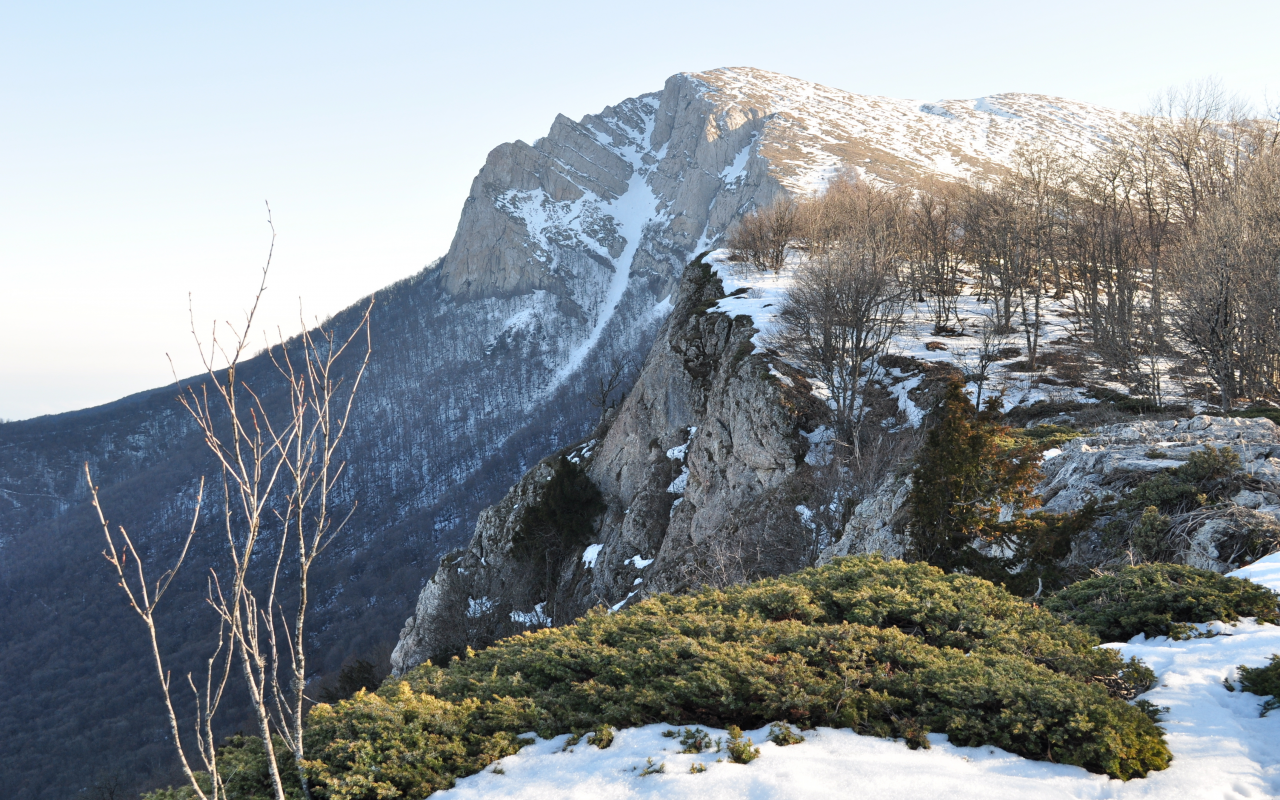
(944,137)
(1222,749)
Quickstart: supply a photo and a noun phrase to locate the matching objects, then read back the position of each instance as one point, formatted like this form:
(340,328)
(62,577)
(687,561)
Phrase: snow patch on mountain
(630,214)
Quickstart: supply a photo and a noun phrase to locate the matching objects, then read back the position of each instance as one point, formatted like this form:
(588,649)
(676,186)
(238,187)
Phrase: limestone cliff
(704,474)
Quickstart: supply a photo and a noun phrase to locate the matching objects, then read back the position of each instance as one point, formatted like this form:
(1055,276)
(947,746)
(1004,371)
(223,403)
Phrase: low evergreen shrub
(242,763)
(694,740)
(354,676)
(884,648)
(1160,600)
(741,751)
(1042,437)
(1263,681)
(780,733)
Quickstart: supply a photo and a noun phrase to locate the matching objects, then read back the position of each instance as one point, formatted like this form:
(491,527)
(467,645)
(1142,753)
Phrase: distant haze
(139,141)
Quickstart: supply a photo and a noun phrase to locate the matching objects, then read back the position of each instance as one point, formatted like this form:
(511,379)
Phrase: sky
(140,142)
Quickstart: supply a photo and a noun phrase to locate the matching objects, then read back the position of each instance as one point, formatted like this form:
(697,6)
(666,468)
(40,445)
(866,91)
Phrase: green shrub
(180,792)
(693,740)
(1210,464)
(780,733)
(1203,478)
(1141,520)
(1161,600)
(400,743)
(741,751)
(1042,436)
(970,471)
(1263,681)
(242,763)
(354,676)
(884,648)
(602,736)
(1272,414)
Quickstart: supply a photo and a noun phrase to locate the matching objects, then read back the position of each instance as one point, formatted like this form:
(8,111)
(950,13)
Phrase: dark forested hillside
(80,699)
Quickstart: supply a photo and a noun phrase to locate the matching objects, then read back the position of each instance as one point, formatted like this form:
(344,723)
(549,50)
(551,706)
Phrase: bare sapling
(321,402)
(608,383)
(279,473)
(976,363)
(144,597)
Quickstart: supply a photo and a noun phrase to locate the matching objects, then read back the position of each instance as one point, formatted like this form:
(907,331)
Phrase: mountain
(566,260)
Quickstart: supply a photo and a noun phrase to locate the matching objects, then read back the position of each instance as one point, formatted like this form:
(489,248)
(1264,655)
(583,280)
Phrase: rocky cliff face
(704,469)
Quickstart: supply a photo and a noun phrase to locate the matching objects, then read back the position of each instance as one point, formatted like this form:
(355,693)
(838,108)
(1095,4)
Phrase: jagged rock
(699,470)
(1086,467)
(1100,467)
(877,524)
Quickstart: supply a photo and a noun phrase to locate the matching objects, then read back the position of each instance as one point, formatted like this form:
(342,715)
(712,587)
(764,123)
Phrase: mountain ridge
(566,257)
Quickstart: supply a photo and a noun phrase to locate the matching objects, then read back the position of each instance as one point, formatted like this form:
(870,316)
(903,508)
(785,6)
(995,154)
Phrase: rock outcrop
(703,471)
(1088,468)
(878,524)
(1106,464)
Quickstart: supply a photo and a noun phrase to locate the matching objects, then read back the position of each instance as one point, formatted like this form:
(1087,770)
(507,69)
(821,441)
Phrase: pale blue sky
(138,141)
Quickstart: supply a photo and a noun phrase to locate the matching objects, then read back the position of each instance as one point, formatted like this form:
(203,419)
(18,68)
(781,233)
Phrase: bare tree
(608,382)
(277,480)
(992,243)
(762,237)
(1039,181)
(321,401)
(847,304)
(820,219)
(993,344)
(936,255)
(1227,286)
(144,597)
(1106,223)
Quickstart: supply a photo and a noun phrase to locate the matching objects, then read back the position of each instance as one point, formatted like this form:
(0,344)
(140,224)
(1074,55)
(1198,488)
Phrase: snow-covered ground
(1221,748)
(823,130)
(763,293)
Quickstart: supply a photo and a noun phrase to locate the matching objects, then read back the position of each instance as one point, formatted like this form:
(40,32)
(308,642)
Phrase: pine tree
(961,481)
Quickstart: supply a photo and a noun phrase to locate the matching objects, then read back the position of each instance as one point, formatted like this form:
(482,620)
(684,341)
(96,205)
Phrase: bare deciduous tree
(936,256)
(762,237)
(278,479)
(993,344)
(847,304)
(608,383)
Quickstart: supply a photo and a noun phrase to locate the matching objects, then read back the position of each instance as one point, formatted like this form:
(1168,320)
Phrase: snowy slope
(1221,748)
(814,131)
(765,292)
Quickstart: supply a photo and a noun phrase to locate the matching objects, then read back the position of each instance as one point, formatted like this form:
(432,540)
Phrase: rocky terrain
(701,469)
(1104,465)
